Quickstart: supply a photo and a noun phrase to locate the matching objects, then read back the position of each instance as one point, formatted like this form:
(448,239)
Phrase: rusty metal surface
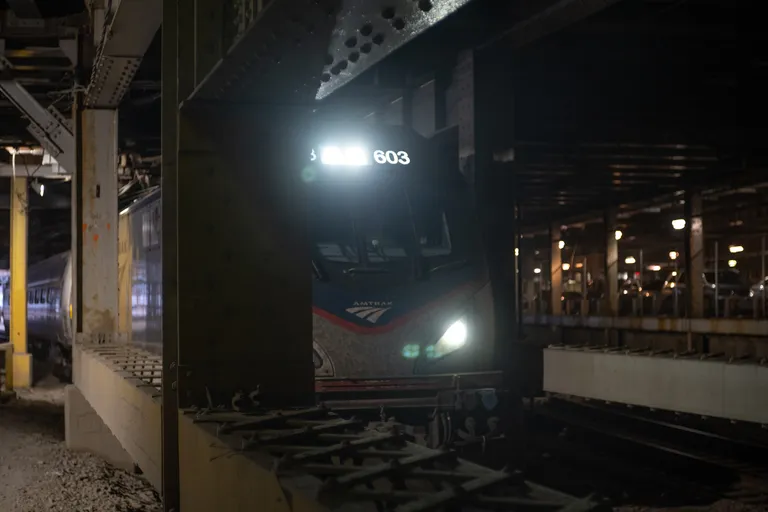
(342,464)
(725,326)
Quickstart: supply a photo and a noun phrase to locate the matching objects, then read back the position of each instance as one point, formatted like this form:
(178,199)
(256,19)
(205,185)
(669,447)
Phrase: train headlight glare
(456,335)
(347,156)
(454,338)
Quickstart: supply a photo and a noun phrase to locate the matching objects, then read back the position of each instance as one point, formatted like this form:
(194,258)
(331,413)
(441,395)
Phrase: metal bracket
(47,125)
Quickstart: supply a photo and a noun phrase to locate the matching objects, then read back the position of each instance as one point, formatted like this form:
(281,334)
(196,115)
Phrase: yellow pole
(20,374)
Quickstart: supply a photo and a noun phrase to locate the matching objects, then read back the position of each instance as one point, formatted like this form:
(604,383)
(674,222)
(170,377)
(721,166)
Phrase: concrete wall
(538,337)
(124,403)
(86,431)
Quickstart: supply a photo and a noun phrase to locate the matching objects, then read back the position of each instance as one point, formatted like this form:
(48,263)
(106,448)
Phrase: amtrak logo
(370,310)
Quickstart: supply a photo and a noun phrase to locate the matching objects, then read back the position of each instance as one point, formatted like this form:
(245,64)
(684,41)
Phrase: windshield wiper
(451,265)
(318,272)
(366,270)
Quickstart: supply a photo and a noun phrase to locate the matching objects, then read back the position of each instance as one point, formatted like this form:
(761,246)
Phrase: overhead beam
(15,27)
(43,171)
(123,43)
(47,125)
(376,33)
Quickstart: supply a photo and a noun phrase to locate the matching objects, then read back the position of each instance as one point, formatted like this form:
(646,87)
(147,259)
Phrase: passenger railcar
(49,310)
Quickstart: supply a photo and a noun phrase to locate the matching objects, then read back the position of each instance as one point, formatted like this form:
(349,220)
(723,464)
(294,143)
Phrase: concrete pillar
(96,218)
(556,270)
(95,277)
(694,254)
(19,366)
(85,431)
(611,265)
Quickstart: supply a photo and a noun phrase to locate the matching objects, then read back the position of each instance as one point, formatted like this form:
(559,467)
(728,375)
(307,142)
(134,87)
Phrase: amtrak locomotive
(402,304)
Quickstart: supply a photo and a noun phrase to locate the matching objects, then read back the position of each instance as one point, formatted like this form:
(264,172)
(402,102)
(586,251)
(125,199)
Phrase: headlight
(453,339)
(348,156)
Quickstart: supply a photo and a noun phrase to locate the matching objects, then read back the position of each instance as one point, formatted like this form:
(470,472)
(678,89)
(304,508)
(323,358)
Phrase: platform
(723,326)
(310,459)
(690,384)
(122,384)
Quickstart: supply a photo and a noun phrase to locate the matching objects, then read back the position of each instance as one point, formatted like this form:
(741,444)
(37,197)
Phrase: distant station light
(566,266)
(38,187)
(678,224)
(731,263)
(618,234)
(654,268)
(630,260)
(673,255)
(736,248)
(537,271)
(561,244)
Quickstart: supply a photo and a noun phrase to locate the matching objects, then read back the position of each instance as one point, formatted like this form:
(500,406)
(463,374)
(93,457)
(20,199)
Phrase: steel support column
(242,253)
(694,254)
(611,265)
(555,270)
(241,244)
(237,295)
(482,99)
(94,243)
(169,203)
(19,366)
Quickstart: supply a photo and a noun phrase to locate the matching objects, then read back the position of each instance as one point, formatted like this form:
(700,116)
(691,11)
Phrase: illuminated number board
(356,156)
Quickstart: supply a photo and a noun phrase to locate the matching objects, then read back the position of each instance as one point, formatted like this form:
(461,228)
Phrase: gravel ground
(38,473)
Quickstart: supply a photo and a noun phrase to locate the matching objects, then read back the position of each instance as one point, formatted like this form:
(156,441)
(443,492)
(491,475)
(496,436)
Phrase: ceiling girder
(122,45)
(47,125)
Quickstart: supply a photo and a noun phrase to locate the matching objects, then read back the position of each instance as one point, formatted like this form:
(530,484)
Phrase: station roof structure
(611,103)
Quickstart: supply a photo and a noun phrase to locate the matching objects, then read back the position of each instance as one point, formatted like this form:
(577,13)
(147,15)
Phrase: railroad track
(673,460)
(354,465)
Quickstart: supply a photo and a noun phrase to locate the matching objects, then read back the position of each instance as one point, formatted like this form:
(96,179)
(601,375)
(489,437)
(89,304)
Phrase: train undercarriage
(469,412)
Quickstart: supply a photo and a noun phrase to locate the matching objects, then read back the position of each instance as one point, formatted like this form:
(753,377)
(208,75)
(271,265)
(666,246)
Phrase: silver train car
(49,309)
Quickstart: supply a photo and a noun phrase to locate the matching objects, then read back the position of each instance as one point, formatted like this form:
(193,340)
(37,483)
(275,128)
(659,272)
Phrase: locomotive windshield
(383,230)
